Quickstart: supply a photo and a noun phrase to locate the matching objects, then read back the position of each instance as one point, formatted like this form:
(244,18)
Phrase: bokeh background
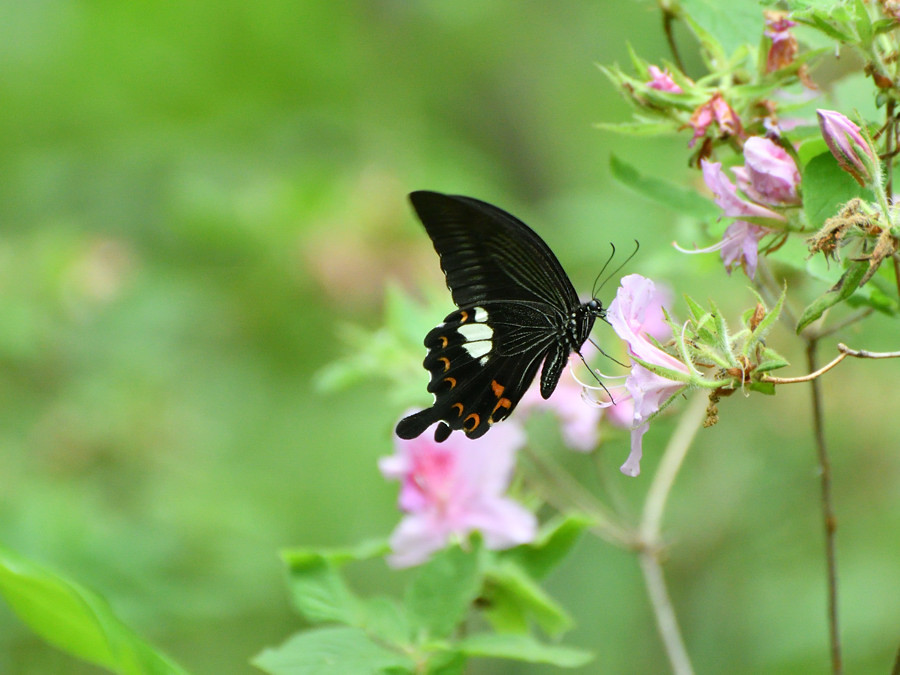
(194,197)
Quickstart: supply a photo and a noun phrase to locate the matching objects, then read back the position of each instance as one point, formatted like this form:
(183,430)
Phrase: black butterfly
(517,309)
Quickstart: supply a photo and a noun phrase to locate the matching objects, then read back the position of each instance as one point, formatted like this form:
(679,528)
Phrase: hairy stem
(649,529)
(828,517)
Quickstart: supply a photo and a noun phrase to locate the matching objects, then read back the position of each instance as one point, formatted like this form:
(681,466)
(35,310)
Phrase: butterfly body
(517,310)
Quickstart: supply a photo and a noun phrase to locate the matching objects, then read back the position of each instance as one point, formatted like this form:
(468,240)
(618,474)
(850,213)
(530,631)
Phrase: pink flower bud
(662,81)
(850,149)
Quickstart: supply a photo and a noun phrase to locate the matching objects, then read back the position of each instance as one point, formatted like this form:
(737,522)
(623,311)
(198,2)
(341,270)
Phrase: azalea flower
(769,178)
(451,489)
(769,175)
(580,422)
(634,308)
(662,81)
(740,246)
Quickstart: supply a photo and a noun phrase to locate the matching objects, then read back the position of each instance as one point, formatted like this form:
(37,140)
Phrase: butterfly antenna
(594,289)
(637,247)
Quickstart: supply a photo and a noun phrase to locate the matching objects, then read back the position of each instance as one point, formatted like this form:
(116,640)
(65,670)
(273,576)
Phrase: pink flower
(453,488)
(740,246)
(769,175)
(629,313)
(726,196)
(580,420)
(662,81)
(850,149)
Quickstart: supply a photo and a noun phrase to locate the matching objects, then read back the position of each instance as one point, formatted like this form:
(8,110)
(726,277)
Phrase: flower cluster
(769,179)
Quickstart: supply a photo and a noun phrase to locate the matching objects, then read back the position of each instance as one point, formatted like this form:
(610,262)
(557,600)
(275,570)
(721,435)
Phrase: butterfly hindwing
(475,381)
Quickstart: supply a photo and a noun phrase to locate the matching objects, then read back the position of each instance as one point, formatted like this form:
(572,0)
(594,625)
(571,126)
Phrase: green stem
(649,533)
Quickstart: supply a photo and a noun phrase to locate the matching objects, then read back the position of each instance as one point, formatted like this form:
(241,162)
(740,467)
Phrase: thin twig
(844,350)
(651,522)
(828,516)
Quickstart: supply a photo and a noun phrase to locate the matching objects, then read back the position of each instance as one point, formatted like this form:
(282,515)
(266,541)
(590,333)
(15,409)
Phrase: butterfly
(517,310)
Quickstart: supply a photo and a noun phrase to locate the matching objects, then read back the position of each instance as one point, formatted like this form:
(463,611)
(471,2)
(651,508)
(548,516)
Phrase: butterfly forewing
(517,309)
(488,254)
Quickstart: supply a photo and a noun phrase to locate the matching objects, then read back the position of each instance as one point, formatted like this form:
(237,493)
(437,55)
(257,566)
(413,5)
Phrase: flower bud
(852,152)
(662,81)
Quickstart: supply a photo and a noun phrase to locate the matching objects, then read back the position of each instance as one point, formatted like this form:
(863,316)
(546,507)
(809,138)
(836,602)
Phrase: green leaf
(771,360)
(523,648)
(663,192)
(440,596)
(317,588)
(695,307)
(76,620)
(842,290)
(733,24)
(336,650)
(446,662)
(385,619)
(766,388)
(826,187)
(513,597)
(770,317)
(554,541)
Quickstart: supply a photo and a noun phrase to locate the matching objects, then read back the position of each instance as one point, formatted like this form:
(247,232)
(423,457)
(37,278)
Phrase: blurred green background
(194,196)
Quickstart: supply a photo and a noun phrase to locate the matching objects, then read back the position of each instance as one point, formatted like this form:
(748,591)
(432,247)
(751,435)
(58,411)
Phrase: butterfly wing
(514,300)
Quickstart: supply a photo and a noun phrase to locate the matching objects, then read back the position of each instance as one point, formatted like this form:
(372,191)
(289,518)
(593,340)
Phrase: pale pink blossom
(648,391)
(580,420)
(769,175)
(727,198)
(740,246)
(662,81)
(451,489)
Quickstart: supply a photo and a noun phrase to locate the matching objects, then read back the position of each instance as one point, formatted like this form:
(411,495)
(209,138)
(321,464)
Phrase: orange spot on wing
(502,403)
(446,362)
(475,419)
(451,380)
(458,406)
(497,388)
(463,316)
(444,341)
